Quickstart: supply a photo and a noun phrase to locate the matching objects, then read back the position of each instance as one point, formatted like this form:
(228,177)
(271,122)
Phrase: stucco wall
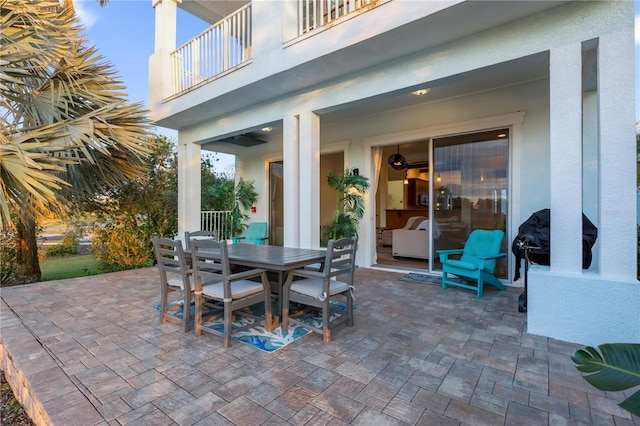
(583,308)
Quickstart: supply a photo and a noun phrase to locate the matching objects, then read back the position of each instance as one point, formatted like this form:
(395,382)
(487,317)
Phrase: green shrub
(119,247)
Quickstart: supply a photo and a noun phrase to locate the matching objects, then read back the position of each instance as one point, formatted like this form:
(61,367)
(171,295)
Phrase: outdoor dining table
(275,259)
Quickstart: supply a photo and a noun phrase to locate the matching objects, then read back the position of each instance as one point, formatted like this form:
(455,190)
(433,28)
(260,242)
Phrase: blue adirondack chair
(256,233)
(477,263)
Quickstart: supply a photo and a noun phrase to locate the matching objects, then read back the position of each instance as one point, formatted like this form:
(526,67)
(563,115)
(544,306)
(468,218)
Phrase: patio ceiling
(522,70)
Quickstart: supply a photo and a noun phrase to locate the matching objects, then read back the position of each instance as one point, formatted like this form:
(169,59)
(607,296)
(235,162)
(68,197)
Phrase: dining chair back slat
(175,275)
(222,292)
(317,288)
(199,235)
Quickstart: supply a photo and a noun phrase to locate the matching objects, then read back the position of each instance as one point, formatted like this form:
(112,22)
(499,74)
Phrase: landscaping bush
(119,247)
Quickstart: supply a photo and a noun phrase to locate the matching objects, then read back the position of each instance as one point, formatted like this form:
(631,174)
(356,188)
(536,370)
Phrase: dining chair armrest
(246,274)
(307,273)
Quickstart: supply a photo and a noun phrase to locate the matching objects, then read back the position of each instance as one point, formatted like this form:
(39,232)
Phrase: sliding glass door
(470,189)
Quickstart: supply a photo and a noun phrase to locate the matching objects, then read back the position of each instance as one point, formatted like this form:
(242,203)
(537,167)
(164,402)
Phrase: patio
(90,351)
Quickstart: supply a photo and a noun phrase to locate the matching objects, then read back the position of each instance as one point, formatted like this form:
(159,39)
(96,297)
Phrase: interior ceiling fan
(398,162)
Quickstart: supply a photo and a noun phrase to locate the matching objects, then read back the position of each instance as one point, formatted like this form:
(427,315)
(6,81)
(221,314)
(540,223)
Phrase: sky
(123,32)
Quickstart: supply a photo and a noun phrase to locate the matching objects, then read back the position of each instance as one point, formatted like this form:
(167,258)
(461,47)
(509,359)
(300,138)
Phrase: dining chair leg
(197,319)
(326,331)
(349,309)
(163,304)
(268,313)
(228,319)
(186,312)
(284,321)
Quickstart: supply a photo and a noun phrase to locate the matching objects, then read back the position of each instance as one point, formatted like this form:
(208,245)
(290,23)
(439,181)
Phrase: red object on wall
(253,209)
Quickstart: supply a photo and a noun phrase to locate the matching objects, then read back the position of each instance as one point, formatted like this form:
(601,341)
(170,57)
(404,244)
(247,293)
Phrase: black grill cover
(536,232)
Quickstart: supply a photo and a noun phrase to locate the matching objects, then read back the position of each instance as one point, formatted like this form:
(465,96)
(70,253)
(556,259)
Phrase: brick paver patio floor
(91,351)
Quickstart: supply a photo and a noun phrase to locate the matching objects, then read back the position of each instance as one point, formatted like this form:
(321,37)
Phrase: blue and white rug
(258,336)
(413,277)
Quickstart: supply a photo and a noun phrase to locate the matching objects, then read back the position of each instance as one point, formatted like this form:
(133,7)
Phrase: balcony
(314,14)
(221,48)
(227,45)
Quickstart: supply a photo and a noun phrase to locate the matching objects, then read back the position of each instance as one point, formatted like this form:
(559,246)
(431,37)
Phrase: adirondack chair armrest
(483,259)
(496,256)
(444,254)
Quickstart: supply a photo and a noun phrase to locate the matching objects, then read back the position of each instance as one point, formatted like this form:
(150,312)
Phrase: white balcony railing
(314,14)
(223,46)
(216,220)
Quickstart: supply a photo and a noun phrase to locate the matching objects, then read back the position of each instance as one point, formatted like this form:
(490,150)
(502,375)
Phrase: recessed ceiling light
(421,92)
(502,135)
(267,129)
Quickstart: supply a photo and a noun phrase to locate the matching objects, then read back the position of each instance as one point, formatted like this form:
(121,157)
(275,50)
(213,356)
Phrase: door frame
(512,121)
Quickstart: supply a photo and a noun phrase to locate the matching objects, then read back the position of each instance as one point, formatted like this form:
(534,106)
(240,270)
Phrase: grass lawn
(60,268)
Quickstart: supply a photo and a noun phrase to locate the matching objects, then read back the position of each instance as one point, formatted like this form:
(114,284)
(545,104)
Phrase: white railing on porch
(314,14)
(221,47)
(216,220)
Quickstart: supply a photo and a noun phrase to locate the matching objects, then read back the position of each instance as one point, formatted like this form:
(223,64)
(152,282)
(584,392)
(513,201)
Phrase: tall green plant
(244,195)
(350,204)
(615,368)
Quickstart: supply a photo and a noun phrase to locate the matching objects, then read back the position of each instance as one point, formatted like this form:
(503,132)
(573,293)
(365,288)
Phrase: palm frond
(67,129)
(615,368)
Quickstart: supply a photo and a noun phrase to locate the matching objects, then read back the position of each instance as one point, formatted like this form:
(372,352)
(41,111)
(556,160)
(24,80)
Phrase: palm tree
(68,131)
(350,188)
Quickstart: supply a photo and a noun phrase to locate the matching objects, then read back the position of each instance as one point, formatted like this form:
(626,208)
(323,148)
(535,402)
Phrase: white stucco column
(616,106)
(291,179)
(565,128)
(160,69)
(309,206)
(189,187)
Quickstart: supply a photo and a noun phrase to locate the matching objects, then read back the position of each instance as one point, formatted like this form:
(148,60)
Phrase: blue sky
(123,32)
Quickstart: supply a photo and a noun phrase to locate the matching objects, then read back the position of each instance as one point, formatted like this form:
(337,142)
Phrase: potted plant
(351,188)
(245,196)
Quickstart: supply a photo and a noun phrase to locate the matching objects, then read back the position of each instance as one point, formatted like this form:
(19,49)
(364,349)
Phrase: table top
(275,258)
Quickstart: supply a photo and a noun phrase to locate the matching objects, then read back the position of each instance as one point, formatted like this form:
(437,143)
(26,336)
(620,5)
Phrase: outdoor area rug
(413,277)
(258,336)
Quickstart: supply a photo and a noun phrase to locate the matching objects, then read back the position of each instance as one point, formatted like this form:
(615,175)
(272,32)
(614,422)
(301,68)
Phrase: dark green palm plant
(245,195)
(350,206)
(615,368)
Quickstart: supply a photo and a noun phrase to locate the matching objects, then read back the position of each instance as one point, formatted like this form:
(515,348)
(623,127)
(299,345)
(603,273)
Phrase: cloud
(84,12)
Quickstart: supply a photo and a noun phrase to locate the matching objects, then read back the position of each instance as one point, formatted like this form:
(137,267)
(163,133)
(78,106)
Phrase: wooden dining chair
(318,288)
(222,292)
(175,275)
(199,235)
